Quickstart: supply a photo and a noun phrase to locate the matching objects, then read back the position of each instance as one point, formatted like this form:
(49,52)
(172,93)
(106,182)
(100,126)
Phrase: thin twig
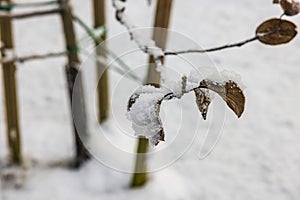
(238,44)
(32,57)
(227,46)
(30,14)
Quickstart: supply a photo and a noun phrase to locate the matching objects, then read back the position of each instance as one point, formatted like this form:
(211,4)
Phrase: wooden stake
(162,18)
(73,74)
(103,85)
(10,94)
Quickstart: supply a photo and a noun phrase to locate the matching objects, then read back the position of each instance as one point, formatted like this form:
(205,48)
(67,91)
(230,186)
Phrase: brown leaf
(203,101)
(235,98)
(276,31)
(230,93)
(290,7)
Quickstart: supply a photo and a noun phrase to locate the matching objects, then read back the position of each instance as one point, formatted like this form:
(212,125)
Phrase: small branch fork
(227,46)
(206,84)
(119,6)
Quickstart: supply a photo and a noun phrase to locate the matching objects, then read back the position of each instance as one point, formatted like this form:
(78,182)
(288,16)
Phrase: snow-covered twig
(144,105)
(145,44)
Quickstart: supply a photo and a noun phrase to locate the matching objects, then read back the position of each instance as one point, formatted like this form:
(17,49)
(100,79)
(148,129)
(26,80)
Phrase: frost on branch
(144,105)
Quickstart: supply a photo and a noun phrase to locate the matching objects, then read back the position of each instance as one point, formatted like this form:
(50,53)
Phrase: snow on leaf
(203,101)
(144,105)
(276,31)
(143,111)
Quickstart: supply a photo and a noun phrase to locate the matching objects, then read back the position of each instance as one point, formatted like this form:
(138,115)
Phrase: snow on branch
(144,105)
(145,44)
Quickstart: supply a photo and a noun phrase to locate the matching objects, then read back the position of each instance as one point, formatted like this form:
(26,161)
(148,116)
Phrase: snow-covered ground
(256,157)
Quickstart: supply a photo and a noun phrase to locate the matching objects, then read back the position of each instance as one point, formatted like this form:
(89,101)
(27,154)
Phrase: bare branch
(227,46)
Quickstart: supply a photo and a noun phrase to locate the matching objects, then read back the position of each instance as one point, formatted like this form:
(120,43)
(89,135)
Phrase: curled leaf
(160,135)
(230,93)
(276,31)
(203,101)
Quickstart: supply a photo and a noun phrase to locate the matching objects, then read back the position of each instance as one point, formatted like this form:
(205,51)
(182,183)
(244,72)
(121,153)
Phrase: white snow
(144,115)
(257,156)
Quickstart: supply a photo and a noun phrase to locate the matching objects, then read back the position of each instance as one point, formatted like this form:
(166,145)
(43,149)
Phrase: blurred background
(256,156)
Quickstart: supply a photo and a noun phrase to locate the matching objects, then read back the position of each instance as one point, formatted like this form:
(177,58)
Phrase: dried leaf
(160,136)
(235,98)
(203,101)
(290,7)
(276,31)
(230,93)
